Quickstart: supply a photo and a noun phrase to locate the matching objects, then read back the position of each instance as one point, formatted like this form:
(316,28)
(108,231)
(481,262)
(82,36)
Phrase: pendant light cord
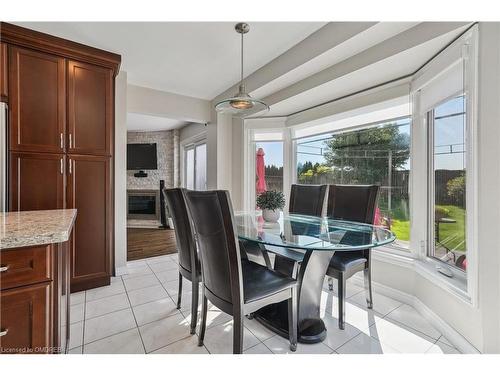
(241,80)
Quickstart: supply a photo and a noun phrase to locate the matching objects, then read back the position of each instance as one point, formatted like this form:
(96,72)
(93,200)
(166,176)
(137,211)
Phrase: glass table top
(310,233)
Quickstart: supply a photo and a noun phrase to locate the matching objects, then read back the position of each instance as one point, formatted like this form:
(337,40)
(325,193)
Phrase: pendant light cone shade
(241,104)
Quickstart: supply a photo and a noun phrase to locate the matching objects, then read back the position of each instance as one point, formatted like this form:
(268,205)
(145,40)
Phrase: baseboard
(455,338)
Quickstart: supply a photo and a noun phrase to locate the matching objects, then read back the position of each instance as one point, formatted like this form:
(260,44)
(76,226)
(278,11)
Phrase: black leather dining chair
(353,203)
(307,199)
(189,263)
(304,200)
(237,287)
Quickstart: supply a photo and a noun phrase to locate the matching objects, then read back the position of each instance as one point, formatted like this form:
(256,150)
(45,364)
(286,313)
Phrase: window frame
(191,145)
(463,284)
(392,248)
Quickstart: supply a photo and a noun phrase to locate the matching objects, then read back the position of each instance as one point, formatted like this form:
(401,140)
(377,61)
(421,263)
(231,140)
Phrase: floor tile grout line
(84,316)
(173,342)
(135,319)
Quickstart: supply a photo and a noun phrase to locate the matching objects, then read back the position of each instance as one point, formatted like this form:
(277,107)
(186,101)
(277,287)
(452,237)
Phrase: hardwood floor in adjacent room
(145,243)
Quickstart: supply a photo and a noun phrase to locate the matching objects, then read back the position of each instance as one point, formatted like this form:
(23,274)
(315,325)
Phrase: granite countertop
(31,228)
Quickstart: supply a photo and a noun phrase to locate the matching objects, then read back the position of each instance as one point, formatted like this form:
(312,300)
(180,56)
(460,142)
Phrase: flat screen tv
(141,156)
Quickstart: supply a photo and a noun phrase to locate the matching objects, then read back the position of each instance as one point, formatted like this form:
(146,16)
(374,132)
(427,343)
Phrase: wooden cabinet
(90,109)
(4,83)
(37,92)
(25,314)
(34,299)
(89,192)
(36,181)
(61,106)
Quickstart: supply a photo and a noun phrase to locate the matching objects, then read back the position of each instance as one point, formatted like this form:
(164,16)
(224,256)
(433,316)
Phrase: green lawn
(452,235)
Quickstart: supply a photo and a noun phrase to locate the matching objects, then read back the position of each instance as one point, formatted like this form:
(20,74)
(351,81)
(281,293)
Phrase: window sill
(456,286)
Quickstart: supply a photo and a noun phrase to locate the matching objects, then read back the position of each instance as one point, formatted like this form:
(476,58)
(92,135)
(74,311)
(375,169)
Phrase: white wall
(489,184)
(120,163)
(165,104)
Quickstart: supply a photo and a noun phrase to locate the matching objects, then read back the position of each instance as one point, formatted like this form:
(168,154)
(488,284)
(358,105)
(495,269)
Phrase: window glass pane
(201,167)
(190,169)
(270,156)
(378,154)
(448,183)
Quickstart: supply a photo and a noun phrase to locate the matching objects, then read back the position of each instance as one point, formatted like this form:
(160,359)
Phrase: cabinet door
(89,181)
(90,109)
(37,92)
(3,73)
(25,319)
(36,181)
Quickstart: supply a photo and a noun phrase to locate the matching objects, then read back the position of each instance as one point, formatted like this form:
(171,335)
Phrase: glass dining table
(303,246)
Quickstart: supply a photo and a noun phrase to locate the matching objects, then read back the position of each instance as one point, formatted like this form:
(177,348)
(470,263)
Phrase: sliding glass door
(195,162)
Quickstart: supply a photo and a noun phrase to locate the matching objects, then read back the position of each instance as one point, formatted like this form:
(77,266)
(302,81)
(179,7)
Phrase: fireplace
(143,204)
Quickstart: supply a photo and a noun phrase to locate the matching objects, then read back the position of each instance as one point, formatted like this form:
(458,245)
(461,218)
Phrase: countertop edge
(30,240)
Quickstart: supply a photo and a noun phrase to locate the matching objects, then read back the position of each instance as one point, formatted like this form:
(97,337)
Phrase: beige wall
(120,168)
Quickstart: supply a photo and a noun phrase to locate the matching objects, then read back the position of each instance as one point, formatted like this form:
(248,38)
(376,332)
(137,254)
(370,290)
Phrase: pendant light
(241,104)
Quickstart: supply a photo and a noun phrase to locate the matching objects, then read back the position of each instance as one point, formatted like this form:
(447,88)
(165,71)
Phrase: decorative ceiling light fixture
(242,104)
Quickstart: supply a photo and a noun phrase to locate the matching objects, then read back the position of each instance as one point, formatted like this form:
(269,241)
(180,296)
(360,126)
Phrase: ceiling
(198,59)
(140,123)
(391,68)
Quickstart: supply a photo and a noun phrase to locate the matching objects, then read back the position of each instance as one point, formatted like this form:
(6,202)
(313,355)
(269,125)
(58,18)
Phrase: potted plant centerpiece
(271,202)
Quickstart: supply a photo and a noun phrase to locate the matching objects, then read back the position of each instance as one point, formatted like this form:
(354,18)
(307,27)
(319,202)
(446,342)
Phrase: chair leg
(179,294)
(194,305)
(203,323)
(292,320)
(341,296)
(368,287)
(237,333)
(330,283)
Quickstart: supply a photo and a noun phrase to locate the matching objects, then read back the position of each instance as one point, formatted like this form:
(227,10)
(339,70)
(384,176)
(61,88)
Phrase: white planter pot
(271,216)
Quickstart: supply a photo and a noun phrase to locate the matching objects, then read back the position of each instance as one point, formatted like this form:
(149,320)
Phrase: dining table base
(275,318)
(310,275)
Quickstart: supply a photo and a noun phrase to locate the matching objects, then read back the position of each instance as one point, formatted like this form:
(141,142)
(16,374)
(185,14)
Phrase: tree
(362,156)
(456,190)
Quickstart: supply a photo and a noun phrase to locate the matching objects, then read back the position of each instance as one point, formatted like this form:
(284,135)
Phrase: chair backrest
(352,202)
(188,256)
(212,218)
(307,199)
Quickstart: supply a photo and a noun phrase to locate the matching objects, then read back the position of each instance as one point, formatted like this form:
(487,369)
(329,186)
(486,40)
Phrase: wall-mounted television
(141,156)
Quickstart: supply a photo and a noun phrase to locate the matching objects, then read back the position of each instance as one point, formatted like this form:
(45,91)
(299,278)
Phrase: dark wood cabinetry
(24,315)
(4,83)
(36,181)
(34,299)
(89,192)
(90,109)
(61,109)
(37,92)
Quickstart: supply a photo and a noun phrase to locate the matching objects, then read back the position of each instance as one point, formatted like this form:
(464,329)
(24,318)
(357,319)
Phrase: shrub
(271,200)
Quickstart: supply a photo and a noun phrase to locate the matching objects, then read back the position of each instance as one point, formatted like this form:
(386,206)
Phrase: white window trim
(263,126)
(463,48)
(186,145)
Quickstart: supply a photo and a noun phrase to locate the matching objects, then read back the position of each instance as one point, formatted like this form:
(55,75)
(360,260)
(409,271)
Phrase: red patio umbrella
(261,172)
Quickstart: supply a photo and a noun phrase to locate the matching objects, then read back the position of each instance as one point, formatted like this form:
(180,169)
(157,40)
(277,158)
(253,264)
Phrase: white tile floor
(137,314)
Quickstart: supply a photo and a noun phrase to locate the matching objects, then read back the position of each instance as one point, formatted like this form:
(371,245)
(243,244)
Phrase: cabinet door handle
(70,142)
(4,332)
(62,141)
(62,167)
(4,268)
(70,165)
